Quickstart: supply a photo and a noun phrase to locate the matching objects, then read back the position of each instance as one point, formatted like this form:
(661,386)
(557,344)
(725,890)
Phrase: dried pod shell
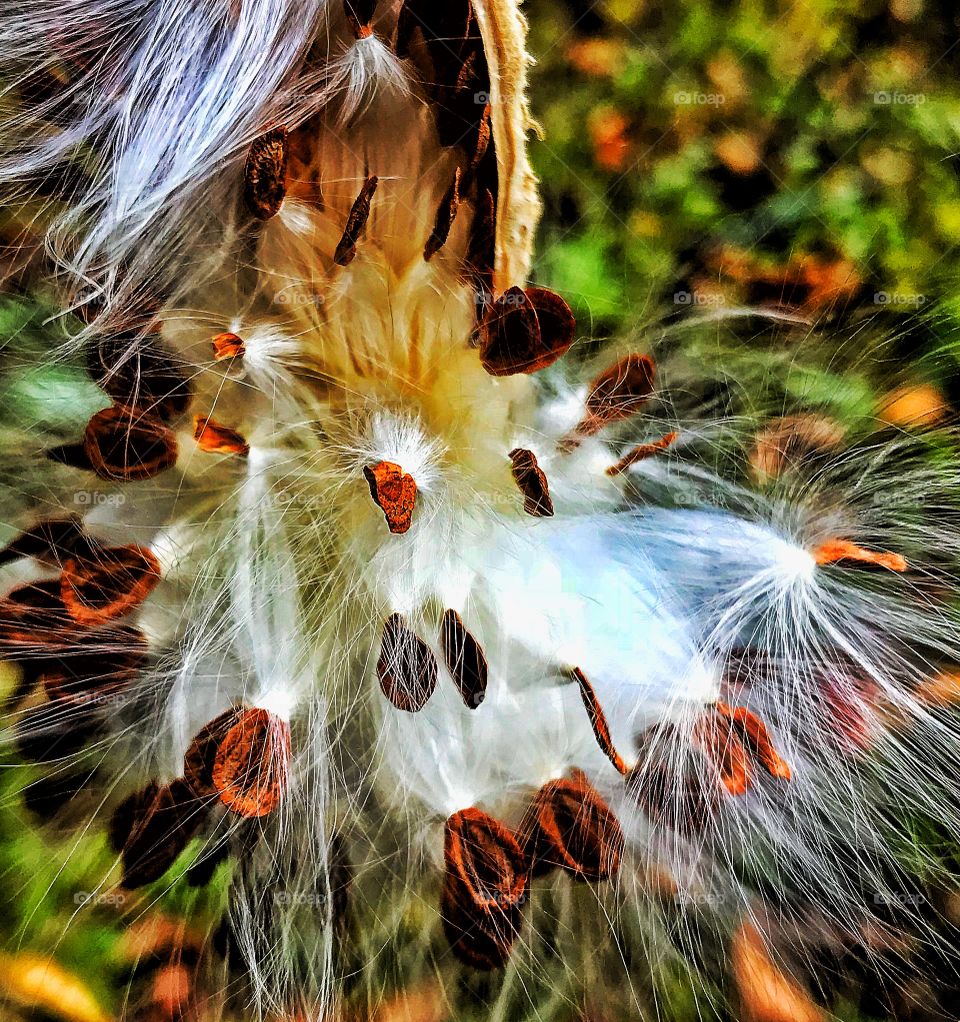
(598,720)
(215,438)
(532,483)
(265,174)
(570,826)
(525,331)
(356,221)
(406,667)
(125,445)
(252,762)
(198,762)
(108,582)
(465,659)
(618,393)
(151,828)
(394,492)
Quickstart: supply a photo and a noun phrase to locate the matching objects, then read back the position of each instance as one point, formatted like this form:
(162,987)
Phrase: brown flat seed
(359,214)
(446,214)
(138,371)
(406,667)
(618,393)
(843,552)
(215,438)
(465,659)
(108,582)
(394,492)
(251,765)
(598,720)
(641,452)
(199,759)
(481,250)
(664,786)
(726,750)
(51,540)
(52,731)
(485,866)
(484,136)
(484,889)
(755,733)
(265,174)
(532,483)
(360,17)
(95,667)
(34,621)
(481,940)
(125,445)
(151,828)
(570,826)
(525,331)
(228,345)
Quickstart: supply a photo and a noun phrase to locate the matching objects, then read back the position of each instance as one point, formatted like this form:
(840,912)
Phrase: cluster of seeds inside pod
(73,638)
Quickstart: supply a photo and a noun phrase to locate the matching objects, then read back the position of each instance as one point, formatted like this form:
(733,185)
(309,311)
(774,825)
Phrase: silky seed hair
(391,583)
